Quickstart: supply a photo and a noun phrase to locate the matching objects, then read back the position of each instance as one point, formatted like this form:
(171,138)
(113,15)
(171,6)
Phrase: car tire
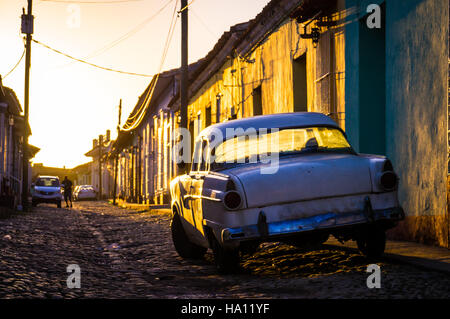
(226,260)
(249,248)
(58,204)
(373,243)
(183,246)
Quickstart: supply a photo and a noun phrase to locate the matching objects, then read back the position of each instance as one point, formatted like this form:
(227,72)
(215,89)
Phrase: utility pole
(27,28)
(116,160)
(100,147)
(184,72)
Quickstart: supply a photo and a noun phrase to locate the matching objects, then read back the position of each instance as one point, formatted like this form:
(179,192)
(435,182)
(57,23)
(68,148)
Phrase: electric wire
(131,123)
(187,6)
(204,24)
(165,50)
(15,66)
(89,63)
(139,113)
(129,33)
(125,36)
(168,39)
(91,2)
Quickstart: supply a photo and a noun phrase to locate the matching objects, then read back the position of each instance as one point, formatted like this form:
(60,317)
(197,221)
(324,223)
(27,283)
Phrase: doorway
(299,84)
(372,87)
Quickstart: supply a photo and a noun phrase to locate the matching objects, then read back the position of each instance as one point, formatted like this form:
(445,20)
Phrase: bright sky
(72,103)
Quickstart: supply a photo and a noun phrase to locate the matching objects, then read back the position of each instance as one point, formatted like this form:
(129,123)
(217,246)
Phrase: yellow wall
(270,65)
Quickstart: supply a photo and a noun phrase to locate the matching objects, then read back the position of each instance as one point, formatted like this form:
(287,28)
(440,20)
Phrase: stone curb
(422,262)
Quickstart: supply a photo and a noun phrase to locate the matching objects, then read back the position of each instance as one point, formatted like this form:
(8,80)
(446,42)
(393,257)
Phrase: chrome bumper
(264,230)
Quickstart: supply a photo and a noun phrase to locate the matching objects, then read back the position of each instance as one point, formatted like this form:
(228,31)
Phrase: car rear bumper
(50,200)
(327,221)
(86,196)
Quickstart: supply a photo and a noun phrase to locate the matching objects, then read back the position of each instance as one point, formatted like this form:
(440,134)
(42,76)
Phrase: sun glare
(71,103)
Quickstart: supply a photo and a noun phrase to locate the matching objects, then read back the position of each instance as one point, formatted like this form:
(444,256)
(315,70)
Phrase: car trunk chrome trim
(323,221)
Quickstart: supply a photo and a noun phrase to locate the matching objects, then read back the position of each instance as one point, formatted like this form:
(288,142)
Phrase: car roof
(272,121)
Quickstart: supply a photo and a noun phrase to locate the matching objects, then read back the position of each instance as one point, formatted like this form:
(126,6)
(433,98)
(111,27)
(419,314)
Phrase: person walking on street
(67,191)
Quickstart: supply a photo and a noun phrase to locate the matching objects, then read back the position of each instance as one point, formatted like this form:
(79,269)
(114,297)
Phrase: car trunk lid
(305,177)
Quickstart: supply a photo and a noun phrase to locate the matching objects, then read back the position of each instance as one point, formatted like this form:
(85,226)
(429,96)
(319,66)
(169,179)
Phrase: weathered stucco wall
(270,67)
(354,12)
(416,114)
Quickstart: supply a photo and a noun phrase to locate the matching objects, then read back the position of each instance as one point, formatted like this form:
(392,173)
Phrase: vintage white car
(289,177)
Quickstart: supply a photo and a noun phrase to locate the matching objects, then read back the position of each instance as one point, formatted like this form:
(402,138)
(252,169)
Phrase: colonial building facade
(102,166)
(11,133)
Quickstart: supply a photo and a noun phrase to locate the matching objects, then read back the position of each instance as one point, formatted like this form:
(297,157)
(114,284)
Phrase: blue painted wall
(415,108)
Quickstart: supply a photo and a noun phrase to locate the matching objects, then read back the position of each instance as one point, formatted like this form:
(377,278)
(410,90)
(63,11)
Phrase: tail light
(388,179)
(232,200)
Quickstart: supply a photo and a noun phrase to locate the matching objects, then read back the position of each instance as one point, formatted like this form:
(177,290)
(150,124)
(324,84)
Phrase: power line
(129,33)
(204,24)
(187,6)
(124,36)
(88,63)
(169,38)
(150,91)
(132,122)
(15,66)
(92,2)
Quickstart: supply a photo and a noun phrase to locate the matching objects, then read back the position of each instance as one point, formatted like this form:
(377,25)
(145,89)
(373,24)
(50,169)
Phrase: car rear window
(241,149)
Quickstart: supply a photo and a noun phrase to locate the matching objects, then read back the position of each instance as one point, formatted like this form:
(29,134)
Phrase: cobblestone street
(129,254)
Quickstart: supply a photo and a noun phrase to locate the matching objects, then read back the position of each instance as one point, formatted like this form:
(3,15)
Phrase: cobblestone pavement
(129,254)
